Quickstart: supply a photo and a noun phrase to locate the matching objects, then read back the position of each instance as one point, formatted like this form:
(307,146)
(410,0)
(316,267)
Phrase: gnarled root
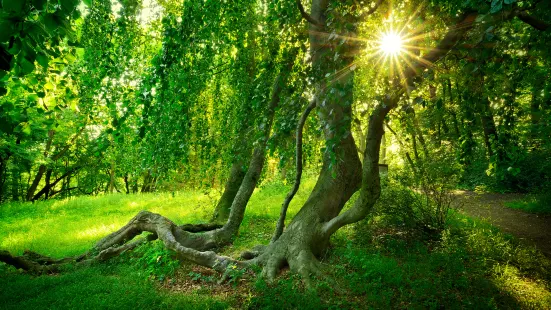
(28,263)
(187,246)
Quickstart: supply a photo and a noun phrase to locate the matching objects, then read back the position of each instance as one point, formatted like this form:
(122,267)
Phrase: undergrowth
(540,204)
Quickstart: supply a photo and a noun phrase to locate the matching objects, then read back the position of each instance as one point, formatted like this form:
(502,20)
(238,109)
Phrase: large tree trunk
(307,236)
(341,171)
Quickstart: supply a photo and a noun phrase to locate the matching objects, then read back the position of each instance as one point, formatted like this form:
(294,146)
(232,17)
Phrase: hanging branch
(300,126)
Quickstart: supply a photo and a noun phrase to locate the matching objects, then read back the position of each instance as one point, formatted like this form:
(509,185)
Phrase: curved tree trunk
(307,236)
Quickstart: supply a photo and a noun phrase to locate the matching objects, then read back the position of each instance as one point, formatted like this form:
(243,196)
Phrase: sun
(391,43)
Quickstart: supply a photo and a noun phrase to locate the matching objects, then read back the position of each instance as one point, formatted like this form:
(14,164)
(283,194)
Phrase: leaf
(497,5)
(87,2)
(42,59)
(13,6)
(5,30)
(509,1)
(51,23)
(26,128)
(39,4)
(480,18)
(33,97)
(68,5)
(16,47)
(26,66)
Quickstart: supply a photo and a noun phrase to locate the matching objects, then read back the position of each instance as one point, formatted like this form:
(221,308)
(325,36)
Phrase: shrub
(157,261)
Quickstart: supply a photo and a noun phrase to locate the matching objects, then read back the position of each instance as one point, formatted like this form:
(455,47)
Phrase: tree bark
(223,207)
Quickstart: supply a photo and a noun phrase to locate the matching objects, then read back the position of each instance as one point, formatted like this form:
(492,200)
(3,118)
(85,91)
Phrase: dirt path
(531,228)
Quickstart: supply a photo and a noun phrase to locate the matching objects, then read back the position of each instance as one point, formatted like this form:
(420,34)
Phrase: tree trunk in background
(126,183)
(41,169)
(36,181)
(535,114)
(223,207)
(147,179)
(47,186)
(488,126)
(112,178)
(15,174)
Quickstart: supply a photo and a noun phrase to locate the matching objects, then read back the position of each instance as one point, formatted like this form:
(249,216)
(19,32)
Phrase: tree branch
(307,16)
(300,126)
(370,189)
(532,21)
(47,187)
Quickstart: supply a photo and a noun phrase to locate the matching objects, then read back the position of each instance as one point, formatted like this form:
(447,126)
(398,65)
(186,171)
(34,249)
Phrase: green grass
(535,204)
(374,264)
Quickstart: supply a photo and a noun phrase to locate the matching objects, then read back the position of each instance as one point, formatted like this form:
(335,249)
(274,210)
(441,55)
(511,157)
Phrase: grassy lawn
(372,264)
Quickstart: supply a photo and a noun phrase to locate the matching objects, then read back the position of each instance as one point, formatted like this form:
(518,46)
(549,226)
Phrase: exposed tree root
(186,245)
(27,263)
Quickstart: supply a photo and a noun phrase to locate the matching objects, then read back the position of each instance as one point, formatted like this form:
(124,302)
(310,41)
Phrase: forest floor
(533,229)
(377,263)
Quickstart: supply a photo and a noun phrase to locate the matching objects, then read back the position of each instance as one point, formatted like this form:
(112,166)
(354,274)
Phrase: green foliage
(157,262)
(423,200)
(99,287)
(285,293)
(465,268)
(540,204)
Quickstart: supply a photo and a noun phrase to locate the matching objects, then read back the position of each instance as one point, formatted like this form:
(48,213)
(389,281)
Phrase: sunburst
(391,43)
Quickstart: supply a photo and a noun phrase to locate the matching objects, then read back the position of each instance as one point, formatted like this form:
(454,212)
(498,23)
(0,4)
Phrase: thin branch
(307,16)
(300,126)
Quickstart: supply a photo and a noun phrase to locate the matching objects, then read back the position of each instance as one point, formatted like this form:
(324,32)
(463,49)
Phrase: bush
(420,198)
(157,261)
